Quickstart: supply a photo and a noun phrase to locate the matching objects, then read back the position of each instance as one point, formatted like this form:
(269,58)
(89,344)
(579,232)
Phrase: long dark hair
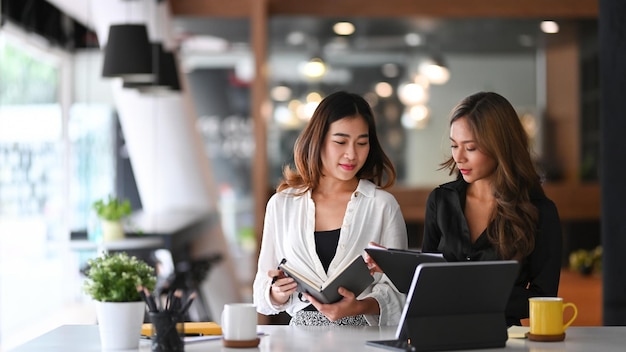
(378,168)
(499,133)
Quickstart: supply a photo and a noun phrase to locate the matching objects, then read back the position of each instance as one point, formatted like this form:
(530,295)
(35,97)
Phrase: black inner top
(326,246)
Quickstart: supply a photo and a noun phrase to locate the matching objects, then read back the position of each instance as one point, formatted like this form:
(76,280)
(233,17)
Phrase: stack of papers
(518,332)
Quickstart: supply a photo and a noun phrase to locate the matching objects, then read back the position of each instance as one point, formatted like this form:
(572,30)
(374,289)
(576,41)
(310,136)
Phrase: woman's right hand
(371,264)
(282,287)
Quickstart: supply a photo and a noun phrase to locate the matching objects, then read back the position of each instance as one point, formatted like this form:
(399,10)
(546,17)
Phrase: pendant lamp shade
(128,53)
(165,72)
(170,71)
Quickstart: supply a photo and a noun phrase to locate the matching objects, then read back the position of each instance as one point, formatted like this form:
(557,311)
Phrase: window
(53,164)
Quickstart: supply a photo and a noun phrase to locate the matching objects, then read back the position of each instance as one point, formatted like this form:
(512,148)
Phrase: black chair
(187,277)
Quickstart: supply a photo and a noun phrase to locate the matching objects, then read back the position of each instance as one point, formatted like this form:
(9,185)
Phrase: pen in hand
(283,261)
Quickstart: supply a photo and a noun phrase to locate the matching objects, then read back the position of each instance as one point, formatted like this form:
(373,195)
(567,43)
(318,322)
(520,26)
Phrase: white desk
(85,338)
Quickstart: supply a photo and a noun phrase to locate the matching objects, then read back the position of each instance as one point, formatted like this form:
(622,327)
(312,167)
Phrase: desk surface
(85,338)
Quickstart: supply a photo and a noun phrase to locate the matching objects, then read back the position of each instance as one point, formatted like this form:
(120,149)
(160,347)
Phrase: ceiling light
(412,39)
(315,68)
(128,53)
(281,93)
(343,28)
(412,94)
(296,38)
(549,27)
(308,109)
(383,89)
(313,97)
(421,80)
(415,117)
(165,73)
(286,118)
(390,70)
(435,70)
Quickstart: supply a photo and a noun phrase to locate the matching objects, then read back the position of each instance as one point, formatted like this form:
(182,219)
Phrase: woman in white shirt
(325,212)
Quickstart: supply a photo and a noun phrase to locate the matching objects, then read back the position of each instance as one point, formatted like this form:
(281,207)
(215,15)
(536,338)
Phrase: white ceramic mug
(239,322)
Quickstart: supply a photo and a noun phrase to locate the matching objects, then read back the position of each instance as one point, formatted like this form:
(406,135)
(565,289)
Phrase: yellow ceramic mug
(546,316)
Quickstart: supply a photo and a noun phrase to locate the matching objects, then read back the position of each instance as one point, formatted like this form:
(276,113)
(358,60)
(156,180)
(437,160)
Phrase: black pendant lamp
(128,53)
(165,73)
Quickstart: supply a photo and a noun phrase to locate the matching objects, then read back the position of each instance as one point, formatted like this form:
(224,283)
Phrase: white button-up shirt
(372,214)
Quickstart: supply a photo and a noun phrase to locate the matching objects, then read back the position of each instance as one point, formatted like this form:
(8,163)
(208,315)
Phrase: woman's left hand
(371,264)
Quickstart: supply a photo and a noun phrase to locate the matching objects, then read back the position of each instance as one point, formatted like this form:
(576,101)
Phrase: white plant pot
(119,324)
(112,230)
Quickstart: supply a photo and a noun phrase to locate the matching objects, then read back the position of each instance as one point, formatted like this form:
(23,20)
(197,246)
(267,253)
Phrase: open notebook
(455,305)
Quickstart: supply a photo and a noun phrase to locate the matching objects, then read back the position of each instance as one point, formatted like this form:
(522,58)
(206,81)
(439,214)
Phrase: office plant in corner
(111,212)
(112,281)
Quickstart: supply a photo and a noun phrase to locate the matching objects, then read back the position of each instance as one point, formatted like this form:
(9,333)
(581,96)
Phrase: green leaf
(112,209)
(115,277)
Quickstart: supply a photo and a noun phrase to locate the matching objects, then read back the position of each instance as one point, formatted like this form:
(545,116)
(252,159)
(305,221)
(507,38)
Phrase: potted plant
(585,261)
(112,281)
(111,211)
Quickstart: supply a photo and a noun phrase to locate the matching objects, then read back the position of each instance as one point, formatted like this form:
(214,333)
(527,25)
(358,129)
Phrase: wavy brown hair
(378,168)
(498,132)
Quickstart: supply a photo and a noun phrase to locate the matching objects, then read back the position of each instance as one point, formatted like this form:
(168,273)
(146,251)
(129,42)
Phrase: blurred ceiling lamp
(413,39)
(421,80)
(415,117)
(343,28)
(128,53)
(390,70)
(383,89)
(296,38)
(315,68)
(435,70)
(165,73)
(411,94)
(313,97)
(549,27)
(286,118)
(281,93)
(307,110)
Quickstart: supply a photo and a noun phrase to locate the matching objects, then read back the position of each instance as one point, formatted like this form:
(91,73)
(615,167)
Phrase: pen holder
(168,331)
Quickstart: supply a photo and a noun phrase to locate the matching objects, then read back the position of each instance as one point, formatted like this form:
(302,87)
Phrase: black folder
(455,306)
